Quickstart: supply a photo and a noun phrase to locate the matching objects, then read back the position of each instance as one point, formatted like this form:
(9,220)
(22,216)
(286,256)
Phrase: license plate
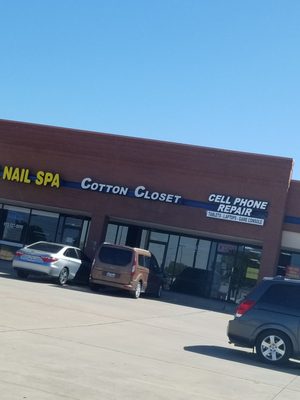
(110,274)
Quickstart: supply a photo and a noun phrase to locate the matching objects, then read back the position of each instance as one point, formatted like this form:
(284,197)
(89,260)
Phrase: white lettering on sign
(88,184)
(239,209)
(235,218)
(140,192)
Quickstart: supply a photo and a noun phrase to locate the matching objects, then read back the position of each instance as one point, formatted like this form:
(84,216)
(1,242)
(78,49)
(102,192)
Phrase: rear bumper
(44,269)
(130,286)
(239,334)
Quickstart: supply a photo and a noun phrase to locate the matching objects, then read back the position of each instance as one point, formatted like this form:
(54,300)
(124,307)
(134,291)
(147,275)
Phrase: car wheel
(63,276)
(273,347)
(22,274)
(137,292)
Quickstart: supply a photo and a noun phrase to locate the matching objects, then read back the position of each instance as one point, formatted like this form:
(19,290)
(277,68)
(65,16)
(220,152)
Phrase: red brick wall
(190,171)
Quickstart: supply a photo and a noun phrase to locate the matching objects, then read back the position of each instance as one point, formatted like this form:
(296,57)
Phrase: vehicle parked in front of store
(128,268)
(60,261)
(268,319)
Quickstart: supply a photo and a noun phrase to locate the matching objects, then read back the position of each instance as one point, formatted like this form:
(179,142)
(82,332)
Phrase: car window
(141,260)
(115,256)
(48,247)
(147,261)
(283,296)
(71,253)
(144,260)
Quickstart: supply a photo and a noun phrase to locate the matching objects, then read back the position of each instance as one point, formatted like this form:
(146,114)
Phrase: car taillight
(245,306)
(19,253)
(134,264)
(49,259)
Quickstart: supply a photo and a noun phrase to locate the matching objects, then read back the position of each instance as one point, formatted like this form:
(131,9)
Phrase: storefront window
(42,226)
(116,234)
(289,265)
(84,233)
(73,222)
(111,233)
(158,249)
(121,235)
(186,251)
(295,259)
(70,236)
(14,223)
(144,238)
(72,230)
(202,254)
(159,236)
(170,260)
(13,228)
(20,226)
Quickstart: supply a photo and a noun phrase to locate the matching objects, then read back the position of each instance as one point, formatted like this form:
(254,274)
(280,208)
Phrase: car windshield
(49,247)
(114,256)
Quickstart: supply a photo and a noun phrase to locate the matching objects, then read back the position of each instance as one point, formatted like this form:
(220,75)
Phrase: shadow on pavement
(198,302)
(6,271)
(243,357)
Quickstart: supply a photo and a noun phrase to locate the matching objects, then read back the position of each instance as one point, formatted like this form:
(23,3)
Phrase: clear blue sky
(217,73)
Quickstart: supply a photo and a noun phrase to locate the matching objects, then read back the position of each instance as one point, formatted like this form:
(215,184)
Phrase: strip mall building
(216,220)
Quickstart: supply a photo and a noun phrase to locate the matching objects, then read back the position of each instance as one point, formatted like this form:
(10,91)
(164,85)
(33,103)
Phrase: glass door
(245,274)
(71,231)
(224,265)
(236,270)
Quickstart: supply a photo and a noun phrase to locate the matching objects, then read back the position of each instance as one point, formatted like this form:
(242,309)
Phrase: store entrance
(236,269)
(194,265)
(71,230)
(223,269)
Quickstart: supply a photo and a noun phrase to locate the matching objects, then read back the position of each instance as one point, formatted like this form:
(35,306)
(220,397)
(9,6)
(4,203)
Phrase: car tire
(137,292)
(63,276)
(22,274)
(273,347)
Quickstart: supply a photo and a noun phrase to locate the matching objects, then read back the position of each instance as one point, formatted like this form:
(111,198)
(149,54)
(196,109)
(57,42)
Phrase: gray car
(269,320)
(56,260)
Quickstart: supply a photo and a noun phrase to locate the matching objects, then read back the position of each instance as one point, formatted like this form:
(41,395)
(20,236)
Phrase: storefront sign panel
(237,209)
(23,175)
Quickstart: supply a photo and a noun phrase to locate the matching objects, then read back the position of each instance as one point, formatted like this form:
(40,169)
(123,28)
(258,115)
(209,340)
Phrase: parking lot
(70,343)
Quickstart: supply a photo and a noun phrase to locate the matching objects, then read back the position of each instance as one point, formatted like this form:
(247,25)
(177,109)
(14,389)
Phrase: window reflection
(202,254)
(14,223)
(42,226)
